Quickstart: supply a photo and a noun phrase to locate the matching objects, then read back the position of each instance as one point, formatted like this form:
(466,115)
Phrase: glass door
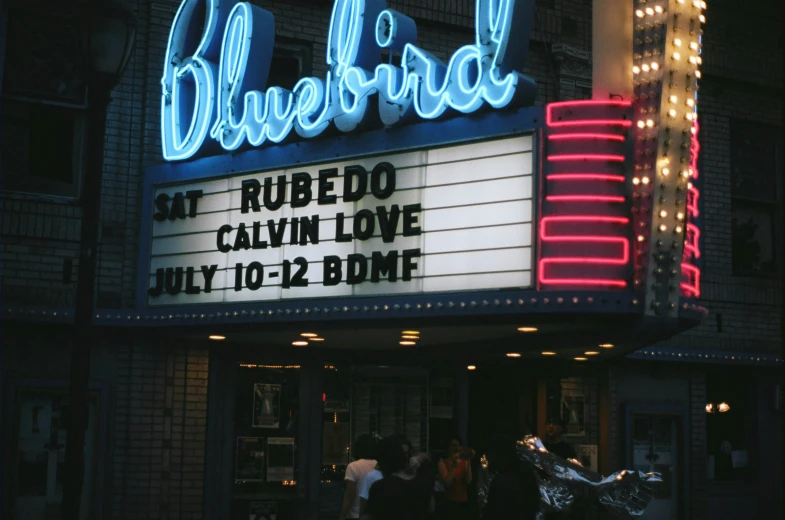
(656,446)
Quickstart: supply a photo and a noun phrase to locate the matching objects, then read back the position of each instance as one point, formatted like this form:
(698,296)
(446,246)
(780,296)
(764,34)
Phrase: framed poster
(573,405)
(587,455)
(249,459)
(280,459)
(262,511)
(266,406)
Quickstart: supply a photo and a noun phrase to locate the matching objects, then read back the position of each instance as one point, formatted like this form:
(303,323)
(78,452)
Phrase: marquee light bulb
(639,13)
(685,174)
(694,46)
(655,65)
(636,181)
(645,180)
(698,74)
(663,213)
(693,60)
(680,215)
(677,229)
(636,69)
(690,103)
(666,171)
(673,99)
(676,56)
(677,42)
(641,124)
(688,116)
(649,11)
(703,5)
(645,68)
(696,3)
(702,19)
(663,228)
(672,112)
(700,60)
(650,123)
(658,9)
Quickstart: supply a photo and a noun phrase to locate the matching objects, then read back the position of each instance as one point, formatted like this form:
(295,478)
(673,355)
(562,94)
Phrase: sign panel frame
(426,135)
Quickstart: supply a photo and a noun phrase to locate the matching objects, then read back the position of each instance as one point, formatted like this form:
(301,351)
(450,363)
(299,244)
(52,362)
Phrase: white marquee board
(475,217)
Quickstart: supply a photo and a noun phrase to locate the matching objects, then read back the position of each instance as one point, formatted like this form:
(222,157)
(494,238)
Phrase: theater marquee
(443,219)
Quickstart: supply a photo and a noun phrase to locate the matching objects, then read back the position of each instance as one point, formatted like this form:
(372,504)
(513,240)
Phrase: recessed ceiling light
(309,334)
(513,354)
(606,345)
(591,353)
(549,353)
(300,343)
(407,343)
(581,359)
(316,339)
(216,337)
(471,367)
(409,336)
(527,329)
(411,332)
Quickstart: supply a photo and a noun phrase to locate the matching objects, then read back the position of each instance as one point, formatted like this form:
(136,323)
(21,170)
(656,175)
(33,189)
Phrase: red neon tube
(584,177)
(586,135)
(586,157)
(585,198)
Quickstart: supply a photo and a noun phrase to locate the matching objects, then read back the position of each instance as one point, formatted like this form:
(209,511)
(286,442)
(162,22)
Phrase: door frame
(681,411)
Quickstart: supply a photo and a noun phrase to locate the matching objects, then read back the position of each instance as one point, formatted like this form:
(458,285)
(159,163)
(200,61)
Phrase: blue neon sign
(219,51)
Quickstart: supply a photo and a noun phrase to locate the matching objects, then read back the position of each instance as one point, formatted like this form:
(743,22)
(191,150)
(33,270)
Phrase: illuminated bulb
(639,13)
(645,68)
(672,112)
(471,367)
(655,66)
(549,353)
(309,335)
(680,215)
(412,332)
(666,171)
(649,11)
(216,337)
(663,227)
(658,9)
(694,46)
(513,354)
(650,123)
(677,229)
(673,99)
(676,56)
(693,60)
(407,343)
(636,181)
(702,19)
(581,359)
(405,336)
(605,345)
(688,116)
(677,42)
(527,329)
(689,185)
(690,103)
(641,238)
(681,1)
(645,180)
(700,60)
(696,3)
(663,213)
(710,408)
(641,124)
(591,353)
(685,174)
(723,407)
(300,343)
(703,5)
(636,69)
(698,74)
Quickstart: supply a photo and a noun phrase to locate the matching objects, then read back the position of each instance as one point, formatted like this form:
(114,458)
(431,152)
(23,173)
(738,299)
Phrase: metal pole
(84,332)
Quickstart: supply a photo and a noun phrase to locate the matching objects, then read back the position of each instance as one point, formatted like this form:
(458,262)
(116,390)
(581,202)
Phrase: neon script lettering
(219,51)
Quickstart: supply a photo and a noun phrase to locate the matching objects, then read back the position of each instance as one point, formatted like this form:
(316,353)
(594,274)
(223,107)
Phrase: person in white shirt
(356,473)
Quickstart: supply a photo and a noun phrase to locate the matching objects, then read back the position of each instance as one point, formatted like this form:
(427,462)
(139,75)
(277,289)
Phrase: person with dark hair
(554,442)
(513,493)
(456,473)
(404,492)
(363,454)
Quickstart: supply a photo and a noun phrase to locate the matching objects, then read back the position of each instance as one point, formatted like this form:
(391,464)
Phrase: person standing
(403,492)
(455,471)
(554,442)
(514,493)
(363,464)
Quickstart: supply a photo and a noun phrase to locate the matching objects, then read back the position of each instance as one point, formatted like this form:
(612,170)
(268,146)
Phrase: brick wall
(159,433)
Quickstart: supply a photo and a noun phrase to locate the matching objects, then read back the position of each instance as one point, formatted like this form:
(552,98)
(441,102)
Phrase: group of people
(389,481)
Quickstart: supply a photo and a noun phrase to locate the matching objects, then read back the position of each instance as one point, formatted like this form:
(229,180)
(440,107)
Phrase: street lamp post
(108,31)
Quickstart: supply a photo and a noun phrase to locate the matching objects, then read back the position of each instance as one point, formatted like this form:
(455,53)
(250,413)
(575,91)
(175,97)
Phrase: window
(40,148)
(291,62)
(756,158)
(42,105)
(729,432)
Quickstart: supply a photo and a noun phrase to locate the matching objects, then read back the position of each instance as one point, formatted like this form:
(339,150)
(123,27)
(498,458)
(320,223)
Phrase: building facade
(183,426)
